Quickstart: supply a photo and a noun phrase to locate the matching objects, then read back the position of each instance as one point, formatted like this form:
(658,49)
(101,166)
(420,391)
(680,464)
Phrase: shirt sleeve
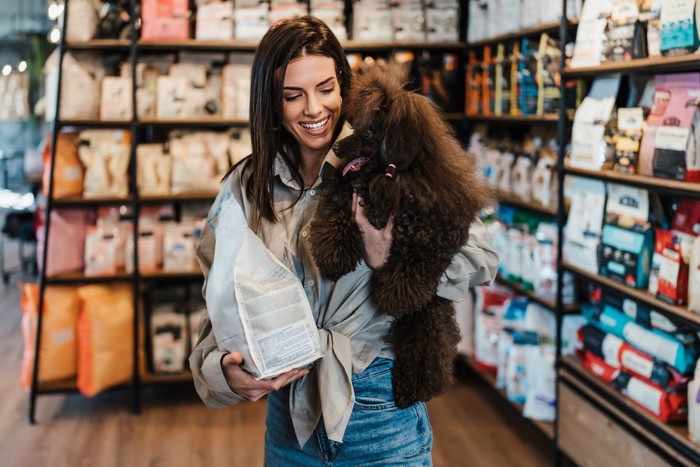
(475,264)
(207,373)
(205,360)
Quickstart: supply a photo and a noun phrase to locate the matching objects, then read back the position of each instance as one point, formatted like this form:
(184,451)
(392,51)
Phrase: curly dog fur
(433,194)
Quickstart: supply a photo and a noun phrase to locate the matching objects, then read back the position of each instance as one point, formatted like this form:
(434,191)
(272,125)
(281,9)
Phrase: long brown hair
(284,42)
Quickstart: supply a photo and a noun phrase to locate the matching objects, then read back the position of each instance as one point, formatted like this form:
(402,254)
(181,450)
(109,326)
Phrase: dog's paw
(336,249)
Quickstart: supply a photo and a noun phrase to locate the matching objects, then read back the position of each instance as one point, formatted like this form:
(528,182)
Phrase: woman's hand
(245,385)
(377,241)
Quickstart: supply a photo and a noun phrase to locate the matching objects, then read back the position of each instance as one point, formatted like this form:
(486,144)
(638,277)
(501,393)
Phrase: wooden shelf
(516,119)
(183,198)
(100,44)
(68,385)
(549,28)
(250,46)
(198,122)
(195,274)
(513,200)
(676,433)
(547,428)
(650,65)
(532,296)
(80,278)
(94,123)
(638,295)
(641,181)
(82,202)
(166,378)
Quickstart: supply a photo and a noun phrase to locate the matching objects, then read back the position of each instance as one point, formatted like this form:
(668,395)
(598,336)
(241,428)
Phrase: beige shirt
(352,331)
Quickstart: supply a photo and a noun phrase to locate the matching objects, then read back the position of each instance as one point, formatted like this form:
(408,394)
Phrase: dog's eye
(367,134)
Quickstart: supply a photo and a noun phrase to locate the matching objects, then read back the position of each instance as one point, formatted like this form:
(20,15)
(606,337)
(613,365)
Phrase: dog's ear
(408,126)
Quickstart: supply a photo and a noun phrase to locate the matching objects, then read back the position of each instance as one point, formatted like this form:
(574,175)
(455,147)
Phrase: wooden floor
(471,425)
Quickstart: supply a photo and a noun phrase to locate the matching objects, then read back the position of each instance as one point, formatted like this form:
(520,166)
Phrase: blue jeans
(378,432)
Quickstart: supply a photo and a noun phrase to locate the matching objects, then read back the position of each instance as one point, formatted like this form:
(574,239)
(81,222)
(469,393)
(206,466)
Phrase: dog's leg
(425,344)
(336,243)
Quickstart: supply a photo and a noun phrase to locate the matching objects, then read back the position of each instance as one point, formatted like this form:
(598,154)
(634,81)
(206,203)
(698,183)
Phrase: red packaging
(663,403)
(165,20)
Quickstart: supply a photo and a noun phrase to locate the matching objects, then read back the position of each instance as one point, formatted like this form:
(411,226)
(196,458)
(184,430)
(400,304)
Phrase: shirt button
(311,283)
(312,192)
(304,233)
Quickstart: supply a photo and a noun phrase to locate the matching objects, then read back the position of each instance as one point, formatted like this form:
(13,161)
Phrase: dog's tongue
(354,165)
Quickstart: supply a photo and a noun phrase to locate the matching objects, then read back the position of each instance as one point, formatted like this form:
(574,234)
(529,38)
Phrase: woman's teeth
(315,126)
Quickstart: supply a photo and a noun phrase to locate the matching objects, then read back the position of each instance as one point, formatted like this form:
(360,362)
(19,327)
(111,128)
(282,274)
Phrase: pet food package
(630,125)
(478,14)
(66,244)
(585,224)
(540,401)
(245,283)
(503,81)
(473,86)
(105,337)
(518,363)
(101,251)
(82,20)
(178,248)
(168,339)
(68,172)
(442,24)
(105,155)
(199,161)
(58,348)
(590,35)
(521,177)
(215,21)
(82,75)
(588,147)
(153,170)
(240,145)
(408,23)
(235,89)
(371,21)
(654,29)
(286,9)
(251,21)
(527,77)
(115,99)
(642,315)
(663,346)
(548,77)
(148,244)
(488,312)
(686,86)
(628,238)
(694,277)
(662,403)
(511,322)
(619,354)
(620,31)
(544,181)
(333,14)
(165,20)
(679,27)
(694,407)
(570,325)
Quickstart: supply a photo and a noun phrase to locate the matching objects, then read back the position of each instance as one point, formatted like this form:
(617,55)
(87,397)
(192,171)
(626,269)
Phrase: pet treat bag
(256,305)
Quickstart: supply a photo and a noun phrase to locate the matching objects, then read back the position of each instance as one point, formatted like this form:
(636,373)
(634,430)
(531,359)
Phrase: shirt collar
(281,170)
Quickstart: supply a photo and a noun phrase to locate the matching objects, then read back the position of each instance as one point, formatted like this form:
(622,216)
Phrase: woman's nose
(313,106)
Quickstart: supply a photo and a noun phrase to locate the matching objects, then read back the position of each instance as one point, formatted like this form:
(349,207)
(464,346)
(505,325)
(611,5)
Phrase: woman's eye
(367,134)
(291,98)
(328,91)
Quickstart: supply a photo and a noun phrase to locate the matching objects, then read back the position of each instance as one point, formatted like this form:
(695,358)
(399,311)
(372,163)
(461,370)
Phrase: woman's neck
(310,166)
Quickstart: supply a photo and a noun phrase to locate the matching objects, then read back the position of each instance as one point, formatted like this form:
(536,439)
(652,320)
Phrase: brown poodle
(405,162)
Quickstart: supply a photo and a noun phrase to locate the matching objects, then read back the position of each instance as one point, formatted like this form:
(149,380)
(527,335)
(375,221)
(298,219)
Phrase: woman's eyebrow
(322,83)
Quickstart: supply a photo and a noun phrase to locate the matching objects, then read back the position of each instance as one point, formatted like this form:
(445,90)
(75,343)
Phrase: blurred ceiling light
(6,70)
(22,67)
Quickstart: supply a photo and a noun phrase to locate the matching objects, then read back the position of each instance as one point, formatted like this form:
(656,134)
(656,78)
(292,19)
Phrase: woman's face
(311,103)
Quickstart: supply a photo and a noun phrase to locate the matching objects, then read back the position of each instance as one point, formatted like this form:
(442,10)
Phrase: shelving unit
(666,443)
(132,49)
(546,428)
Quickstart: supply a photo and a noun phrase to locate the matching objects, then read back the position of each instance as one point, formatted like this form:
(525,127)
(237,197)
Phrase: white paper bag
(256,305)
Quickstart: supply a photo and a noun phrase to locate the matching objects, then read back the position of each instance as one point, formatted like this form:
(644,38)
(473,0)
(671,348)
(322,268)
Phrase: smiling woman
(311,110)
(341,409)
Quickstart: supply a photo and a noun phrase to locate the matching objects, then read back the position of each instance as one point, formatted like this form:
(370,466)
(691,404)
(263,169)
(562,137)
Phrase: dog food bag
(105,337)
(588,146)
(630,123)
(619,354)
(153,170)
(540,400)
(168,339)
(679,27)
(58,348)
(665,87)
(199,161)
(585,224)
(668,348)
(694,406)
(165,20)
(106,155)
(256,305)
(654,29)
(527,73)
(590,35)
(548,77)
(488,312)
